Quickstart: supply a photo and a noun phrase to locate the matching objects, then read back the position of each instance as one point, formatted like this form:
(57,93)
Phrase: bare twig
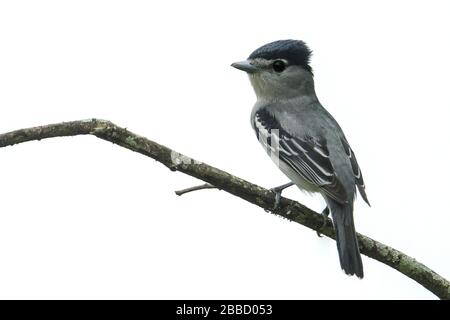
(195,188)
(250,192)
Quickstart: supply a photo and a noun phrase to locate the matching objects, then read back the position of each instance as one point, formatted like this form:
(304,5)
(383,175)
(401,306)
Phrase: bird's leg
(278,191)
(325,214)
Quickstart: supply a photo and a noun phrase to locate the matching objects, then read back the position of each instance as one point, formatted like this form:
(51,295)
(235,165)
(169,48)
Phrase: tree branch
(195,188)
(250,192)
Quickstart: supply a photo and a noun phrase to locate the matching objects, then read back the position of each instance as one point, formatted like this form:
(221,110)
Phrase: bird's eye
(278,66)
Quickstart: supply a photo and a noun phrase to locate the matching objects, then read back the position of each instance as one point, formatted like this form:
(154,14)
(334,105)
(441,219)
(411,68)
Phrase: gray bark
(250,192)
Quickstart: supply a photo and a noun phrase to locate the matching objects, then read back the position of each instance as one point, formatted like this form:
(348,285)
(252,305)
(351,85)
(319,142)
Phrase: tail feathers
(347,243)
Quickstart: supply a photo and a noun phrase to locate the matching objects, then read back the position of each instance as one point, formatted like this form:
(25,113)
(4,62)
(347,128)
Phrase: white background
(83,218)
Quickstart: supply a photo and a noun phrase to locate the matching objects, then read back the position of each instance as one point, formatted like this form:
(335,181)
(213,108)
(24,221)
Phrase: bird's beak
(246,66)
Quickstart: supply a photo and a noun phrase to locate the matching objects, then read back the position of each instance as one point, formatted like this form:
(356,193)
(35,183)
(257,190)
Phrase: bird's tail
(347,243)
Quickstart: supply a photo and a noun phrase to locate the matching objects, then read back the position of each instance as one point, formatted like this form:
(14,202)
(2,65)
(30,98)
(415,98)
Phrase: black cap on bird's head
(296,52)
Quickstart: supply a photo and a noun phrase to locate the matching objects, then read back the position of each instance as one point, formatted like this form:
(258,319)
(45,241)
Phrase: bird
(304,140)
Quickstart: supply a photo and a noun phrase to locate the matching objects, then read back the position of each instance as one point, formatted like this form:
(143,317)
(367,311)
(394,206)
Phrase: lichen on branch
(241,188)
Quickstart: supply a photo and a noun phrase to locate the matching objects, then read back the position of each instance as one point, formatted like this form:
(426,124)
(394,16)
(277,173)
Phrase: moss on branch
(250,192)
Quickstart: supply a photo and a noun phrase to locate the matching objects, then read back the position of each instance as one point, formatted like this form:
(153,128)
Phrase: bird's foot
(278,190)
(325,214)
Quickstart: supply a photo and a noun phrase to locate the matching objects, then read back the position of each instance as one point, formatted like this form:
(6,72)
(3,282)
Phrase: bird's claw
(325,214)
(277,197)
(278,191)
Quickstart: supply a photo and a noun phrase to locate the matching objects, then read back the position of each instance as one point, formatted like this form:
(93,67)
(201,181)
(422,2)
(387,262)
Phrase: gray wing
(307,156)
(359,181)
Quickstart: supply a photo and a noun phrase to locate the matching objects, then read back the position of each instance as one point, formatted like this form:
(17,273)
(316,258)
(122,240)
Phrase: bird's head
(279,70)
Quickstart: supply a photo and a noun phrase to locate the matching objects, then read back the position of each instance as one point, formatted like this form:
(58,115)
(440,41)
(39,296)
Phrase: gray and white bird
(304,140)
